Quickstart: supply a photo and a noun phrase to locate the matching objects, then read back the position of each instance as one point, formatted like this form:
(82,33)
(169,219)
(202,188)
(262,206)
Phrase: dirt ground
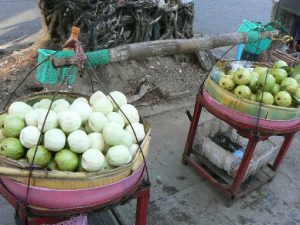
(148,81)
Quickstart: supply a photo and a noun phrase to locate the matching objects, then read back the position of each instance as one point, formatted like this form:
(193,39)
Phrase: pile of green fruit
(88,135)
(279,85)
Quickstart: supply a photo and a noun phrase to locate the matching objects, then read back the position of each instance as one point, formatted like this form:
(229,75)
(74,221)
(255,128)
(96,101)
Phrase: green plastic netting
(47,74)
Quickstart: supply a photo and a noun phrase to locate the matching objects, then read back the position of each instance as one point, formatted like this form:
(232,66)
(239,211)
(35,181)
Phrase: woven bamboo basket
(251,108)
(15,170)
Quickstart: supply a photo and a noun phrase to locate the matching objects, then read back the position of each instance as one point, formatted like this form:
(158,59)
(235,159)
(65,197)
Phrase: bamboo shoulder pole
(171,47)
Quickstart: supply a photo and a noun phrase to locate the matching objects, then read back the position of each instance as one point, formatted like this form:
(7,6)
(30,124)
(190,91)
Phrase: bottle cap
(75,30)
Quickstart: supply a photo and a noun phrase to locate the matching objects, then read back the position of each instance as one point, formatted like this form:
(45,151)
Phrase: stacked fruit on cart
(278,85)
(83,135)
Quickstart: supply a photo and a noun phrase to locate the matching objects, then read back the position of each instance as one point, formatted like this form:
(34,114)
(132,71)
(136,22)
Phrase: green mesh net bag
(47,74)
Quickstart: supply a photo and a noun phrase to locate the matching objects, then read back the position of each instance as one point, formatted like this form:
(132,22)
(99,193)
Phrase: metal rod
(244,165)
(192,130)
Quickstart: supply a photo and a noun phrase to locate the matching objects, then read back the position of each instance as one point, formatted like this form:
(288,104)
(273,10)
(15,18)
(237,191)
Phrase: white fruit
(54,140)
(97,141)
(103,105)
(79,141)
(29,136)
(69,121)
(32,117)
(131,112)
(133,149)
(97,95)
(82,108)
(51,121)
(60,105)
(139,131)
(113,134)
(115,117)
(92,160)
(81,99)
(119,98)
(97,121)
(44,103)
(127,139)
(129,159)
(35,105)
(19,109)
(106,166)
(118,155)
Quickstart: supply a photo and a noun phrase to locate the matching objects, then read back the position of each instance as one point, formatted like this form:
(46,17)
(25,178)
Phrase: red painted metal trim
(47,198)
(254,187)
(193,129)
(85,209)
(36,216)
(244,165)
(247,134)
(288,139)
(245,122)
(142,207)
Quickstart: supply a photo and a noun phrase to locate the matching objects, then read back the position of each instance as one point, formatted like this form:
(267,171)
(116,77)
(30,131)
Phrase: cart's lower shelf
(262,176)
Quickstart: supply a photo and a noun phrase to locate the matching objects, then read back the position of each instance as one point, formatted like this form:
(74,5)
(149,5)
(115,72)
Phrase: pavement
(225,16)
(180,197)
(19,22)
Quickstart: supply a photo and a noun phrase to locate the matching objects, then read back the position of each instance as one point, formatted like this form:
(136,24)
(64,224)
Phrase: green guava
(42,157)
(66,160)
(12,126)
(12,148)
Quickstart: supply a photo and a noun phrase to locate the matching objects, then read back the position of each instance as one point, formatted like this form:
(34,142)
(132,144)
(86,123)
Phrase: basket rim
(222,65)
(291,109)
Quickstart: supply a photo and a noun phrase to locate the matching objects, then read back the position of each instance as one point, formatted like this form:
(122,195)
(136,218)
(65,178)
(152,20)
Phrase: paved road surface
(222,16)
(19,21)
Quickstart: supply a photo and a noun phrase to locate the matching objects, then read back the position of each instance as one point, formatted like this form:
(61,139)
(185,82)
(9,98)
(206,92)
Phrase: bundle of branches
(109,23)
